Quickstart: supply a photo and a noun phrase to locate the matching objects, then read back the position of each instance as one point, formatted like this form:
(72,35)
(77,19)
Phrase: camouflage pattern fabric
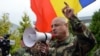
(35,51)
(22,52)
(82,44)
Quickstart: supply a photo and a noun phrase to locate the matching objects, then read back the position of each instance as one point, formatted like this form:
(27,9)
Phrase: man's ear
(67,24)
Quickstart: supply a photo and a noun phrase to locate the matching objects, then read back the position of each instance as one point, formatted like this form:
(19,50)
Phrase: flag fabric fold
(46,10)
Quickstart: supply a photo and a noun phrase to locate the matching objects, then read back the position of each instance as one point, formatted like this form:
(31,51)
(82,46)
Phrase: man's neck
(62,39)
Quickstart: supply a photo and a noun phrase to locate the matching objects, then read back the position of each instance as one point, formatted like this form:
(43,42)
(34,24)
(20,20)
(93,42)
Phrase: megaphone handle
(45,37)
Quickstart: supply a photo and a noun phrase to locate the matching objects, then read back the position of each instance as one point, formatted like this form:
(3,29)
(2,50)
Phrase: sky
(16,9)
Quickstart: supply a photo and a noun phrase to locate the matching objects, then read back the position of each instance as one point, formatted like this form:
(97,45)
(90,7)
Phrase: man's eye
(57,25)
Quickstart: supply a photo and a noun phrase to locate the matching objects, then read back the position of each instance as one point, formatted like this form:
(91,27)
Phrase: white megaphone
(31,36)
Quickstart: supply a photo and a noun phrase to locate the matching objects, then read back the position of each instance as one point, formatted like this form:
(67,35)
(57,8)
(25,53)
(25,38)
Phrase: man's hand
(67,11)
(40,47)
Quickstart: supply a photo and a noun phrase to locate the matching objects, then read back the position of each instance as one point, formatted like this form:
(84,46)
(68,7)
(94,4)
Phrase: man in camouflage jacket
(65,45)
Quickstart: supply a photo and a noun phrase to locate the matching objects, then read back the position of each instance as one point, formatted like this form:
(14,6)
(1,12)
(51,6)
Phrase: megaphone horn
(31,36)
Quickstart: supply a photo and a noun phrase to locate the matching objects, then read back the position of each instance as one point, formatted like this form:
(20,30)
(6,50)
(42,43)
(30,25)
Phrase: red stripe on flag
(44,12)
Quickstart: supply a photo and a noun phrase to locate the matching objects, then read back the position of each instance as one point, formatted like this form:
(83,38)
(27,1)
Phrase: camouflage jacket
(22,52)
(80,46)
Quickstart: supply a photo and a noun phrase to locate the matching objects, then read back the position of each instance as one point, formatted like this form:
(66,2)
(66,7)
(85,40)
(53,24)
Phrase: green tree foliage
(95,26)
(95,29)
(4,24)
(15,36)
(24,24)
(5,27)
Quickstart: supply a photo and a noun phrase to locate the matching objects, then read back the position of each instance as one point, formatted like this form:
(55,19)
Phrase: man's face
(59,28)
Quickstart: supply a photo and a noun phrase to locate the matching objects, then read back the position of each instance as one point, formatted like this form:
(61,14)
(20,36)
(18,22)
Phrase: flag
(46,10)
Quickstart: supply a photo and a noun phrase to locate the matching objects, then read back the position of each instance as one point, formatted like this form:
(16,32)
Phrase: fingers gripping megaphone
(31,36)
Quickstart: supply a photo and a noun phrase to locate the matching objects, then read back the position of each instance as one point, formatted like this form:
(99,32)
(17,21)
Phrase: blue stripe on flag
(84,3)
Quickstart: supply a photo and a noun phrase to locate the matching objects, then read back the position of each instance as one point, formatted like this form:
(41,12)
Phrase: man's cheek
(64,33)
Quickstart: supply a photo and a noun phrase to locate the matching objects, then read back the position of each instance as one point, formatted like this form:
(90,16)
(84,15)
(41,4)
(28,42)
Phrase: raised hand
(67,11)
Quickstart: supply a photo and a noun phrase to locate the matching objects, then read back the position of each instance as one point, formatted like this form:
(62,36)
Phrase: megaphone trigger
(45,37)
